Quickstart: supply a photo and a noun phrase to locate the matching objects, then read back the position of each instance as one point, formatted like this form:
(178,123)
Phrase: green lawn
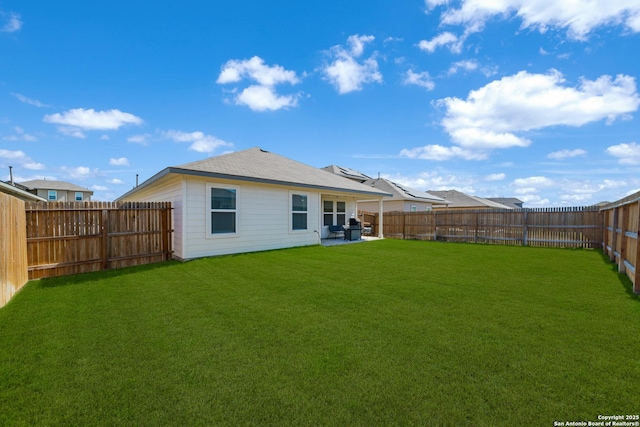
(380,333)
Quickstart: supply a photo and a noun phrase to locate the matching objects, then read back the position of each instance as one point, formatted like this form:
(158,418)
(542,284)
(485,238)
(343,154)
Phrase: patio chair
(336,231)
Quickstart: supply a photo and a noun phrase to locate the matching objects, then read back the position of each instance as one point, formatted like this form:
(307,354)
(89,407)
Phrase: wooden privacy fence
(622,222)
(13,250)
(75,237)
(553,227)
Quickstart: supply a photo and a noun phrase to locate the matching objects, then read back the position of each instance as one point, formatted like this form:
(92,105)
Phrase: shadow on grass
(82,278)
(622,278)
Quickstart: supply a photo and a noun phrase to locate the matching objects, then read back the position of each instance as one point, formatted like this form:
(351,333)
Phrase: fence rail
(621,243)
(13,251)
(555,227)
(74,237)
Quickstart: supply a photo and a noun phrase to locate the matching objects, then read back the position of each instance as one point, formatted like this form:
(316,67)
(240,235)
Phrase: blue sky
(535,99)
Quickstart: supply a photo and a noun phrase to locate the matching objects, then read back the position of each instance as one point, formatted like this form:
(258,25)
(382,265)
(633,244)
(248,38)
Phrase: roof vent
(264,151)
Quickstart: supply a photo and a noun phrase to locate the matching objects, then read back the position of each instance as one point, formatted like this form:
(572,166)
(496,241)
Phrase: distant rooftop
(347,173)
(459,199)
(404,193)
(49,184)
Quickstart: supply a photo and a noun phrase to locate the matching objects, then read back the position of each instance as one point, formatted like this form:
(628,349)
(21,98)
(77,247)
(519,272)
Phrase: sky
(533,99)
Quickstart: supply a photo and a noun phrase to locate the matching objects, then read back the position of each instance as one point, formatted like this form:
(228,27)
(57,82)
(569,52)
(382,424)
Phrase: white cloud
(255,69)
(441,153)
(20,159)
(263,96)
(444,39)
(467,65)
(20,135)
(420,79)
(495,177)
(116,181)
(12,24)
(494,115)
(104,138)
(627,153)
(71,131)
(199,141)
(345,72)
(356,43)
(99,188)
(578,17)
(533,181)
(74,121)
(79,173)
(29,101)
(563,154)
(142,139)
(122,161)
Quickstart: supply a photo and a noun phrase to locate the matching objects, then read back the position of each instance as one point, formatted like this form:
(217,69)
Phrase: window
(223,210)
(79,196)
(414,208)
(334,213)
(299,211)
(52,195)
(328,212)
(341,216)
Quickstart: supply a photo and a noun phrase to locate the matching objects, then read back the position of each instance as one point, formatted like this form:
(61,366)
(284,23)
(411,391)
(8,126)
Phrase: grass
(382,333)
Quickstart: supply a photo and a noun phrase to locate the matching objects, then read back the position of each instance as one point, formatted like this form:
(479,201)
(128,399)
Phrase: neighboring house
(250,200)
(461,201)
(404,199)
(56,191)
(347,173)
(20,193)
(511,202)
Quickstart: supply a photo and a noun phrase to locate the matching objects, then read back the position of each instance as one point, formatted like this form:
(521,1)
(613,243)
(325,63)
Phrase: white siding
(167,190)
(263,219)
(393,206)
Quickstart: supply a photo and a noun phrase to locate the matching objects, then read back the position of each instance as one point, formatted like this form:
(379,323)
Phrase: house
(56,191)
(251,200)
(511,202)
(461,201)
(403,199)
(347,173)
(20,193)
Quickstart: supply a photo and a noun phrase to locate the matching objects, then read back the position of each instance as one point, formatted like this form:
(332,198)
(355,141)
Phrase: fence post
(475,228)
(623,239)
(105,239)
(525,230)
(636,264)
(614,235)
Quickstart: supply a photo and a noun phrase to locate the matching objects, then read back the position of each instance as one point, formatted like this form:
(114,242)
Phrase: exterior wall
(263,219)
(169,190)
(63,196)
(393,206)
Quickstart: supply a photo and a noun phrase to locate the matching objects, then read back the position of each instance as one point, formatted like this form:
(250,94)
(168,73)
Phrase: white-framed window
(334,212)
(52,195)
(414,208)
(79,196)
(222,210)
(299,211)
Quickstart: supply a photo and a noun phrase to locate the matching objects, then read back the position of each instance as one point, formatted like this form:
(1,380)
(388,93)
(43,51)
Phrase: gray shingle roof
(347,173)
(257,165)
(19,193)
(404,193)
(48,184)
(461,200)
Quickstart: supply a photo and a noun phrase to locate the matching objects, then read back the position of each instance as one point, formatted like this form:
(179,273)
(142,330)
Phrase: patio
(341,241)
